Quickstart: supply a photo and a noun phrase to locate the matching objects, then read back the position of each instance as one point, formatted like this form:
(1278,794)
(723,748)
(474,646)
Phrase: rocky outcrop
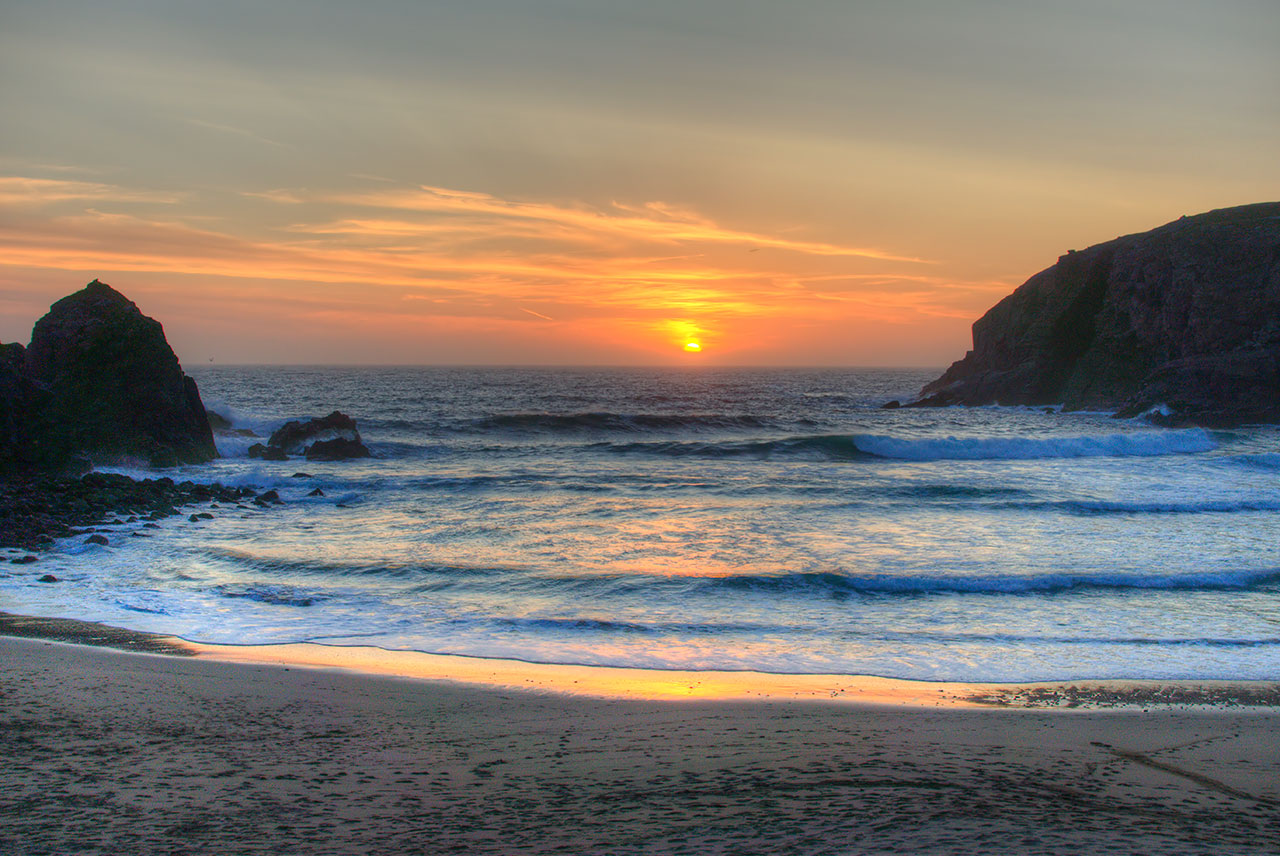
(1186,316)
(34,512)
(294,437)
(18,400)
(99,380)
(329,438)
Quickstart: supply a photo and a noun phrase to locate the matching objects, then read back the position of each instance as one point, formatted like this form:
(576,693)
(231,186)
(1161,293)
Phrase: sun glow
(692,347)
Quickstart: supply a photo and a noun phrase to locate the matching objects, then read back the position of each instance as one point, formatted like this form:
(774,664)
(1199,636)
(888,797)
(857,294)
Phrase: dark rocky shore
(36,510)
(1185,318)
(98,384)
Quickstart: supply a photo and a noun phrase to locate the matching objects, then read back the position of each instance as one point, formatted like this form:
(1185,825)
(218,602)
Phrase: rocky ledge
(1182,322)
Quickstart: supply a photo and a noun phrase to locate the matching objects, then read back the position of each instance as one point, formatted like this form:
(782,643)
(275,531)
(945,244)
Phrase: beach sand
(110,751)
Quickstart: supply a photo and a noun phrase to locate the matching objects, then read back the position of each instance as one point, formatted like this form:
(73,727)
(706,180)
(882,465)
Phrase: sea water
(700,518)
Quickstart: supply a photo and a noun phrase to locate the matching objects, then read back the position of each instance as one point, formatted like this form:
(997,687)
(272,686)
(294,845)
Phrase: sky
(597,182)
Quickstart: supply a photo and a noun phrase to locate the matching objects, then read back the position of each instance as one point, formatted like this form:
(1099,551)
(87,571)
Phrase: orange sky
(594,183)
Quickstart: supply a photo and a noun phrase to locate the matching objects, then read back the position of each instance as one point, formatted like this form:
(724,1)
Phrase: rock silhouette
(98,381)
(1184,318)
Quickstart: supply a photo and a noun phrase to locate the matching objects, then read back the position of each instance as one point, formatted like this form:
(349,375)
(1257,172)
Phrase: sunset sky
(602,182)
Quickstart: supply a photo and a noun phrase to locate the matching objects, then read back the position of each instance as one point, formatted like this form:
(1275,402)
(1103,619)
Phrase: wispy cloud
(21,190)
(644,266)
(238,132)
(653,221)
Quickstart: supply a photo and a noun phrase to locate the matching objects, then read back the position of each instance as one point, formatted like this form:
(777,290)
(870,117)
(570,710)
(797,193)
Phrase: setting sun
(692,347)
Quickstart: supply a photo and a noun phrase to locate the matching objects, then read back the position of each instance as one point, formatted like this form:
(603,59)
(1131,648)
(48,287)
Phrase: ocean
(699,518)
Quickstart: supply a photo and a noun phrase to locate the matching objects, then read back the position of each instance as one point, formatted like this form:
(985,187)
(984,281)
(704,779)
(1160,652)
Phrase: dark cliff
(99,380)
(1186,315)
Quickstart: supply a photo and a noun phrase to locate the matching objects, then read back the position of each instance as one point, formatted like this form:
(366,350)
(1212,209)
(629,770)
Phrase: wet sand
(125,752)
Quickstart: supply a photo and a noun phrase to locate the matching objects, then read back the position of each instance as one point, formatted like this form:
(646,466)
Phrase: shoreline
(618,683)
(112,751)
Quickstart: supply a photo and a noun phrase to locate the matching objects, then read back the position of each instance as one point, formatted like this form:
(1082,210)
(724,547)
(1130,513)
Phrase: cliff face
(1186,315)
(99,379)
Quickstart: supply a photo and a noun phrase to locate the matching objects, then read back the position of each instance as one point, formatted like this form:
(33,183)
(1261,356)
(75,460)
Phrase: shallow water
(713,519)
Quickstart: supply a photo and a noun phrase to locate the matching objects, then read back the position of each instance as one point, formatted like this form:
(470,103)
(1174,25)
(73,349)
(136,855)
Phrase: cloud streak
(630,268)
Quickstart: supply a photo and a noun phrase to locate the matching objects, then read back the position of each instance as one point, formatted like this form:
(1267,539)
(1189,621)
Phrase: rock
(267,453)
(302,476)
(19,399)
(35,511)
(24,560)
(1186,315)
(194,518)
(891,405)
(270,496)
(97,539)
(103,383)
(298,437)
(338,449)
(48,578)
(221,426)
(316,492)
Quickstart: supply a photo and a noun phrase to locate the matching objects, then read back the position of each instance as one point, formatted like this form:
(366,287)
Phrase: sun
(692,347)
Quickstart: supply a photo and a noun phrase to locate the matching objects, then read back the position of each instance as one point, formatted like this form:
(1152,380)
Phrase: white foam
(1134,443)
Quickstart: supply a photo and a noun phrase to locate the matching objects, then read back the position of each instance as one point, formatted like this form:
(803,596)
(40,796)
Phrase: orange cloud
(638,271)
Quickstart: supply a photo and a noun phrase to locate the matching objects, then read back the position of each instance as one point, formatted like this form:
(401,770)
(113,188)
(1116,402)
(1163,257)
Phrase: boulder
(329,438)
(267,453)
(1186,316)
(295,437)
(110,387)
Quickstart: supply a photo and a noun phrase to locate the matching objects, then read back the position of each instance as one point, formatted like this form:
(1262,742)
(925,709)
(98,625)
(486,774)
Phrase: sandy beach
(126,752)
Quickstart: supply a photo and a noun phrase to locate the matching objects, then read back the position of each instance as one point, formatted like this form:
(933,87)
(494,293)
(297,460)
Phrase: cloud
(653,221)
(462,253)
(21,190)
(239,132)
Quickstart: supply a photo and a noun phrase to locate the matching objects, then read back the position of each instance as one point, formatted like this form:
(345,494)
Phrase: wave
(561,626)
(319,567)
(1133,443)
(837,585)
(1265,461)
(434,577)
(851,447)
(598,625)
(559,423)
(272,594)
(1101,508)
(822,447)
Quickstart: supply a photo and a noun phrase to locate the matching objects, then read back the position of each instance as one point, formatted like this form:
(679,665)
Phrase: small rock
(194,519)
(97,539)
(204,515)
(316,492)
(24,560)
(302,476)
(891,405)
(139,535)
(47,578)
(151,526)
(270,496)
